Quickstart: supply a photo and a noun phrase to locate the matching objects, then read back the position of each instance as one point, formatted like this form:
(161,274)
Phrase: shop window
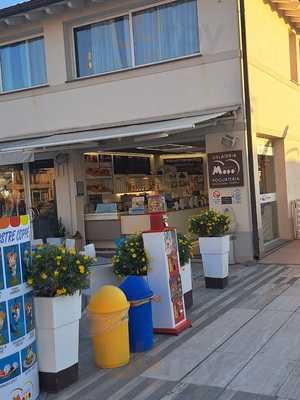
(147,36)
(165,32)
(293,56)
(12,200)
(43,199)
(23,65)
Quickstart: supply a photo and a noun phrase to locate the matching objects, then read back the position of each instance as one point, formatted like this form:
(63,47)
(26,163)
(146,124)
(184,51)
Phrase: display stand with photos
(169,314)
(18,352)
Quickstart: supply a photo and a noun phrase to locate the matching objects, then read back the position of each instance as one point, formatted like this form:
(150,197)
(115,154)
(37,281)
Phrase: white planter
(186,281)
(215,259)
(57,330)
(186,277)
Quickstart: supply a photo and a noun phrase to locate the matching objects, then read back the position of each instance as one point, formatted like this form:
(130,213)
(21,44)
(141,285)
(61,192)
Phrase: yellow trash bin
(108,312)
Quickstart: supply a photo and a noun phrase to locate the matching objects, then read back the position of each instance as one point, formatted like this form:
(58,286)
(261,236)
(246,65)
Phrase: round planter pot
(215,259)
(57,330)
(186,280)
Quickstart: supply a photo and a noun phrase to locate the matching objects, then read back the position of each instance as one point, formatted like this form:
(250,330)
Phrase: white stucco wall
(208,81)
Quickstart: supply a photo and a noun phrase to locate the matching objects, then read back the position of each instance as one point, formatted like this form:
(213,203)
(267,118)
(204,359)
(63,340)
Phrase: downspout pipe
(243,36)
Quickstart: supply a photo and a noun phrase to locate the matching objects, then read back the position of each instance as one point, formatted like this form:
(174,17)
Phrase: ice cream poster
(18,353)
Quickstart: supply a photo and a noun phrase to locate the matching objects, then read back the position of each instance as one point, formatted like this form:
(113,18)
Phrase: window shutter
(293,56)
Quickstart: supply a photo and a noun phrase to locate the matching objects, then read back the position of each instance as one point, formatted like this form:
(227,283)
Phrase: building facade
(102,102)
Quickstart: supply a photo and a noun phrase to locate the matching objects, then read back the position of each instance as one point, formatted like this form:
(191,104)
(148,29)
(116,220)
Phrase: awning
(17,157)
(84,137)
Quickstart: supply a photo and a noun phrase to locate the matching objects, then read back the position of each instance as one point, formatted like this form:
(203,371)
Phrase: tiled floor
(288,254)
(244,345)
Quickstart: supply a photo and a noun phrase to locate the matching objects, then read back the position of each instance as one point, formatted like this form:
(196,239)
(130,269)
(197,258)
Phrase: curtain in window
(110,45)
(167,31)
(23,65)
(38,74)
(14,67)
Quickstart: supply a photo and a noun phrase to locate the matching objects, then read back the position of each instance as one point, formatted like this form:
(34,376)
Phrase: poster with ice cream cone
(18,353)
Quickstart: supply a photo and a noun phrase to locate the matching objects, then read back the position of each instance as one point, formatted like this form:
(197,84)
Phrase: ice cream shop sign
(225,169)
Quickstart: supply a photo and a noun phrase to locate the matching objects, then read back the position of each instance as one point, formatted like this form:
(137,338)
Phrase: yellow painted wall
(275,100)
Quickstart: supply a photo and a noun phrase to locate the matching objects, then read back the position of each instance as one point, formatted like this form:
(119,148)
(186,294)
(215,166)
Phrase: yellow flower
(133,255)
(72,251)
(44,276)
(78,262)
(61,292)
(30,281)
(58,263)
(86,258)
(58,258)
(81,269)
(38,256)
(56,272)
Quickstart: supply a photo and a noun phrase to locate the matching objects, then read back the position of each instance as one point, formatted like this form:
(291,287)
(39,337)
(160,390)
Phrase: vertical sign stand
(169,315)
(18,352)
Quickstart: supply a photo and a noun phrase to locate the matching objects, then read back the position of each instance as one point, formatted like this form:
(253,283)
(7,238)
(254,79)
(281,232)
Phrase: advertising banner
(18,353)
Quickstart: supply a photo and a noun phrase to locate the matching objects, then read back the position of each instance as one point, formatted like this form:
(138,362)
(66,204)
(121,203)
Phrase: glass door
(43,199)
(268,196)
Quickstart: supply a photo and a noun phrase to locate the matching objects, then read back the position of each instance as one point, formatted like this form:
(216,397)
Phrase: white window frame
(14,42)
(129,14)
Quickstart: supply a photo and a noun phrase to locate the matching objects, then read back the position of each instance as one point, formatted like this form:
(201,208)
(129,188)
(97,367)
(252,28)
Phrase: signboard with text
(225,169)
(18,352)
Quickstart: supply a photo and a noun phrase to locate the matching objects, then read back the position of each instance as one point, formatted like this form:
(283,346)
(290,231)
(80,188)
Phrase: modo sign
(225,169)
(18,353)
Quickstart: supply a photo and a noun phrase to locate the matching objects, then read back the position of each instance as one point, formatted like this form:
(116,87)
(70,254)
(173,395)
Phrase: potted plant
(131,257)
(57,276)
(212,229)
(185,249)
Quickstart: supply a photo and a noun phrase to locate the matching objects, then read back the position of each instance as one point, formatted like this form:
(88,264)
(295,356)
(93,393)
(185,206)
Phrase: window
(148,36)
(293,56)
(12,194)
(165,32)
(23,65)
(103,47)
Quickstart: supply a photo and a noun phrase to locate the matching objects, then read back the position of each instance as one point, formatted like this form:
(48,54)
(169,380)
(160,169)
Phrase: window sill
(135,68)
(24,89)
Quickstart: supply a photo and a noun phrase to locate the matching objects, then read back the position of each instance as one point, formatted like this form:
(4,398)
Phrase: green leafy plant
(185,248)
(209,223)
(131,257)
(57,271)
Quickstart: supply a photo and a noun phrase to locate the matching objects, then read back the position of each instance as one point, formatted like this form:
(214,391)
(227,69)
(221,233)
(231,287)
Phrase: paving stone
(256,332)
(193,392)
(263,375)
(284,303)
(187,356)
(252,396)
(293,291)
(291,388)
(285,343)
(218,370)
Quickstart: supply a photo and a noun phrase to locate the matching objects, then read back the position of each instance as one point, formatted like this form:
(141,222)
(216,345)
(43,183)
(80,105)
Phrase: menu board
(174,273)
(18,352)
(191,166)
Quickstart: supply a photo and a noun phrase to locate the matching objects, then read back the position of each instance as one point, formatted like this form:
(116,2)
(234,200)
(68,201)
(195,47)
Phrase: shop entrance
(268,193)
(43,199)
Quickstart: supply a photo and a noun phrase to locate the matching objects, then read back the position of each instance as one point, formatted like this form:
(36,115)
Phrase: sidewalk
(244,345)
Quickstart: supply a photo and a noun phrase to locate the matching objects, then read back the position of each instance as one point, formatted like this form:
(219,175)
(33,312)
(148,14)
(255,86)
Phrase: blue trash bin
(139,295)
